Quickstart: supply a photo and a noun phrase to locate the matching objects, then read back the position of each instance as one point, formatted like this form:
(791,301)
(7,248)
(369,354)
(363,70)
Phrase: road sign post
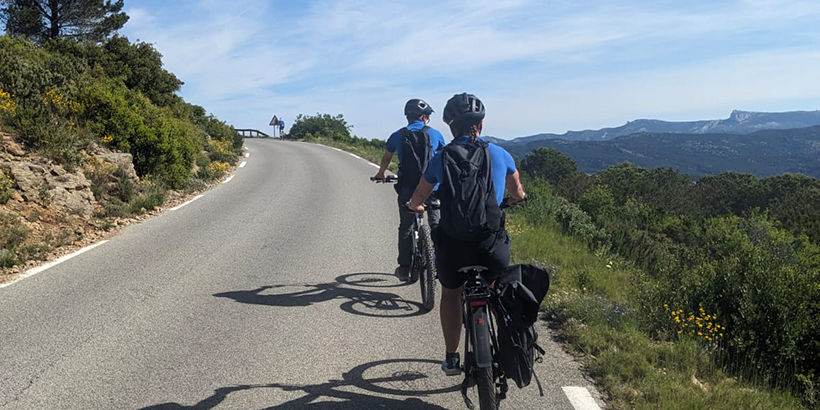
(274,122)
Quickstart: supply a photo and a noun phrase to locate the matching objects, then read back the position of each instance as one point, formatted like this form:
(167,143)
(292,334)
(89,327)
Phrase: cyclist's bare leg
(451,316)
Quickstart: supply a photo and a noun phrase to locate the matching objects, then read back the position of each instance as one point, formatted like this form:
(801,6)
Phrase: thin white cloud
(540,65)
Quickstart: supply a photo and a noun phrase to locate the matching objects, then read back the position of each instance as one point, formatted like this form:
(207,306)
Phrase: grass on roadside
(364,150)
(590,301)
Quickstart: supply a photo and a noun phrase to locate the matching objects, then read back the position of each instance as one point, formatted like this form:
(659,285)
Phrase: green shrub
(161,145)
(149,200)
(320,125)
(125,187)
(548,164)
(6,186)
(12,236)
(8,258)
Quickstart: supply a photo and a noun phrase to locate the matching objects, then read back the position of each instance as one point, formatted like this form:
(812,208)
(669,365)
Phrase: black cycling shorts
(453,254)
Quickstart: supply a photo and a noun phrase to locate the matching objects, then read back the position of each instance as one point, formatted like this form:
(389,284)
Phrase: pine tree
(41,20)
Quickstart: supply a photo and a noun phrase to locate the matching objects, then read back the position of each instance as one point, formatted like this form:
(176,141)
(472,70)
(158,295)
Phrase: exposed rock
(10,146)
(76,202)
(120,159)
(69,191)
(30,178)
(698,384)
(59,178)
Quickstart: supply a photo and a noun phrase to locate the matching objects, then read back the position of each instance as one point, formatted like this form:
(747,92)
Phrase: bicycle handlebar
(387,180)
(505,203)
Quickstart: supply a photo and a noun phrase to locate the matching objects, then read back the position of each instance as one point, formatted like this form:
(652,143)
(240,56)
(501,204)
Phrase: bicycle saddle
(473,269)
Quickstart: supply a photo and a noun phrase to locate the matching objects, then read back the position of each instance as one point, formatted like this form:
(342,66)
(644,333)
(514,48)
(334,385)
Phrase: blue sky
(539,66)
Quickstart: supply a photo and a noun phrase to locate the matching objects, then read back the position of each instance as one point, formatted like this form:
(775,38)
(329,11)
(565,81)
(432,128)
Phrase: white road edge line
(353,155)
(33,271)
(242,165)
(229,179)
(247,154)
(580,398)
(180,206)
(333,148)
(374,165)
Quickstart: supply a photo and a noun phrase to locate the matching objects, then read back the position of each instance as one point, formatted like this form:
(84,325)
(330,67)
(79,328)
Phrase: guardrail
(251,133)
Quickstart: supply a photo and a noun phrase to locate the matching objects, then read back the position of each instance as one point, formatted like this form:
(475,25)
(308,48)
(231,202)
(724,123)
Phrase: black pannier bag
(416,151)
(521,289)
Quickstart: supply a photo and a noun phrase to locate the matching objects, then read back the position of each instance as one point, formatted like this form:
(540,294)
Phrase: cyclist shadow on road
(359,291)
(411,382)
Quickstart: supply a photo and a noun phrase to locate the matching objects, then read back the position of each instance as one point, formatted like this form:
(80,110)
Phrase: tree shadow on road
(338,395)
(364,302)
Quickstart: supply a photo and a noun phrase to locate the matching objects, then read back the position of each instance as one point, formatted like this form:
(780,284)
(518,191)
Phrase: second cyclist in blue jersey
(414,145)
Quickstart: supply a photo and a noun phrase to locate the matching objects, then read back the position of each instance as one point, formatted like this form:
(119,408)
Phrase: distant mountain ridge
(762,153)
(739,122)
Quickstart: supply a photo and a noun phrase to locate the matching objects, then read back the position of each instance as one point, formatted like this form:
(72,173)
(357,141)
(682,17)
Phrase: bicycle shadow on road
(411,382)
(359,291)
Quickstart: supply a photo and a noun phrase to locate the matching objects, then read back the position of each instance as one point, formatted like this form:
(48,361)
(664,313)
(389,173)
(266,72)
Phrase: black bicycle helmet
(416,108)
(463,110)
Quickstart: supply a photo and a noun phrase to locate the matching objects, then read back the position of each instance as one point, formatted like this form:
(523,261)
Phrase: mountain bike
(482,307)
(423,264)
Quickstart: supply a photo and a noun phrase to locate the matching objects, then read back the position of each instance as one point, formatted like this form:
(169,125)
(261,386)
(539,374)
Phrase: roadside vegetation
(335,132)
(676,294)
(101,110)
(680,294)
(62,96)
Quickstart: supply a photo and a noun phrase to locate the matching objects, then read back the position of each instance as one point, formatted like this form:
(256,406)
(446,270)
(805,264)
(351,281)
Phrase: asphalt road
(272,291)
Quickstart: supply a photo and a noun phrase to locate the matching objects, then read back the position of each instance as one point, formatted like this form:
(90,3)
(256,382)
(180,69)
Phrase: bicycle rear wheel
(487,394)
(482,349)
(427,277)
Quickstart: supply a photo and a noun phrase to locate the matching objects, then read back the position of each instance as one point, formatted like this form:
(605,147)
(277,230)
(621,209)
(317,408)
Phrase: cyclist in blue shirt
(464,114)
(422,141)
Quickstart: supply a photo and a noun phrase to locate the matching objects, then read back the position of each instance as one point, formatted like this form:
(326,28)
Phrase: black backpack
(416,151)
(469,208)
(521,289)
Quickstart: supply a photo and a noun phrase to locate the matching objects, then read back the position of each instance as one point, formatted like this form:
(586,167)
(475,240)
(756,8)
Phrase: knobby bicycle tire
(427,278)
(487,395)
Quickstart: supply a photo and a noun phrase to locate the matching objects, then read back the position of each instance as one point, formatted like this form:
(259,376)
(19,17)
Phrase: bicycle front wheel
(427,277)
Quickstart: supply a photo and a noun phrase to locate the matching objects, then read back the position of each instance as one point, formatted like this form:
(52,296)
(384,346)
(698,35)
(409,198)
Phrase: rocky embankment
(51,209)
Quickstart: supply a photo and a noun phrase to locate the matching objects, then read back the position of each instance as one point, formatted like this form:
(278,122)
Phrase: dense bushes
(161,144)
(320,125)
(334,131)
(68,94)
(743,249)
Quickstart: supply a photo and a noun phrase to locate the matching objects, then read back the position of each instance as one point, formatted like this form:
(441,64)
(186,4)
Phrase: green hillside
(715,280)
(763,153)
(63,95)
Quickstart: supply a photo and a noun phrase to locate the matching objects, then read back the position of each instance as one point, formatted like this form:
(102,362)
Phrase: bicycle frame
(417,259)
